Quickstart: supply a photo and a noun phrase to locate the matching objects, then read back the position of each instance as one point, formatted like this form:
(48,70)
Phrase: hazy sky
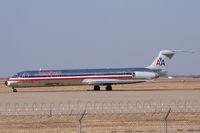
(66,34)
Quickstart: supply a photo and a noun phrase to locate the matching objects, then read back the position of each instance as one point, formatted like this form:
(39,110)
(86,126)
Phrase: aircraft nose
(6,83)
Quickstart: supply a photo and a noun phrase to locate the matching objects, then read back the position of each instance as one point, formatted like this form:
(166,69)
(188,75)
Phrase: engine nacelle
(145,75)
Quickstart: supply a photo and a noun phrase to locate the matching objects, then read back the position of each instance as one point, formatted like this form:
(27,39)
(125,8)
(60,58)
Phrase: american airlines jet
(95,77)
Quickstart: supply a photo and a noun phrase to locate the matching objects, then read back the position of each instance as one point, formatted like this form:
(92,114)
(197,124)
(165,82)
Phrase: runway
(179,94)
(99,103)
(103,96)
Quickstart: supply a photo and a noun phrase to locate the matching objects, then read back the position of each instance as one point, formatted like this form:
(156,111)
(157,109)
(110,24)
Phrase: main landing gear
(97,88)
(14,89)
(108,88)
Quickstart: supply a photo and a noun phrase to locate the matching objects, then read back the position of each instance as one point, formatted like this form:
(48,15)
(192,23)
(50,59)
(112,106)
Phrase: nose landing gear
(14,89)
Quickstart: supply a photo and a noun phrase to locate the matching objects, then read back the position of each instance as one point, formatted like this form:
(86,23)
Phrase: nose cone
(6,83)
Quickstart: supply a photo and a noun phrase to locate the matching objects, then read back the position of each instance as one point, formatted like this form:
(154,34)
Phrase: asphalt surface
(103,96)
(99,103)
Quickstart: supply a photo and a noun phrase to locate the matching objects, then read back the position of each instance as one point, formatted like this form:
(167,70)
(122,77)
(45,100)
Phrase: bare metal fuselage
(80,77)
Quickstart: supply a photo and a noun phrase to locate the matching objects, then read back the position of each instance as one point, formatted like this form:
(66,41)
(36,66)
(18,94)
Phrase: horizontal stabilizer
(183,51)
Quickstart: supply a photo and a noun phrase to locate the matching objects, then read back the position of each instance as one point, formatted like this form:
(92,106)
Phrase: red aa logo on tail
(160,62)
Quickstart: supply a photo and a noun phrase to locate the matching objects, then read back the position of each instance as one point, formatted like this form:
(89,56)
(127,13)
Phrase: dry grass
(109,124)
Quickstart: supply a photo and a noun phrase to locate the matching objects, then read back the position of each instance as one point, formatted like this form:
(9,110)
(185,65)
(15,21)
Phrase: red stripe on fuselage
(71,78)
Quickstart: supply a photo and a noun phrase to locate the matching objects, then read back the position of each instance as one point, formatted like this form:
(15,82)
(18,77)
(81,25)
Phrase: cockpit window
(18,75)
(14,76)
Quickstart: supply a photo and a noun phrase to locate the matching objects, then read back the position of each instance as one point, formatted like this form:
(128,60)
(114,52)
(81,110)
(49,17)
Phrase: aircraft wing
(109,81)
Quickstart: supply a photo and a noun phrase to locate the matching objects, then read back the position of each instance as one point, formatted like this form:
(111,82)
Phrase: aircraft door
(133,75)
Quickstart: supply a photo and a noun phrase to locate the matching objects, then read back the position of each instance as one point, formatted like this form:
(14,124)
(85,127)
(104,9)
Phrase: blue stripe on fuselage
(77,75)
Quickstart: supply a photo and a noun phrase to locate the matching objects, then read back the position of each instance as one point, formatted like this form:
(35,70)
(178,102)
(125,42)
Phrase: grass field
(109,124)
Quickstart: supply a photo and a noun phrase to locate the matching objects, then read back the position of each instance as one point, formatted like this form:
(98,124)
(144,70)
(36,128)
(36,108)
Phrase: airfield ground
(111,124)
(160,91)
(159,84)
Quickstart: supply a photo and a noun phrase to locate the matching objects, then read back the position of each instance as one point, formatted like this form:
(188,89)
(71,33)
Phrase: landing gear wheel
(96,88)
(108,88)
(14,89)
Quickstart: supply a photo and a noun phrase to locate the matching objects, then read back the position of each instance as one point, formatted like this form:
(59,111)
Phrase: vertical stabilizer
(162,60)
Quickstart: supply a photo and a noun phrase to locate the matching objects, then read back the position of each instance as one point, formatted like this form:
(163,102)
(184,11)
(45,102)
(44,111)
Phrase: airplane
(95,77)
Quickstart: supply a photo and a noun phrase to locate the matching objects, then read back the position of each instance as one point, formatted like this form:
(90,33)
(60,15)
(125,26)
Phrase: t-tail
(160,63)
